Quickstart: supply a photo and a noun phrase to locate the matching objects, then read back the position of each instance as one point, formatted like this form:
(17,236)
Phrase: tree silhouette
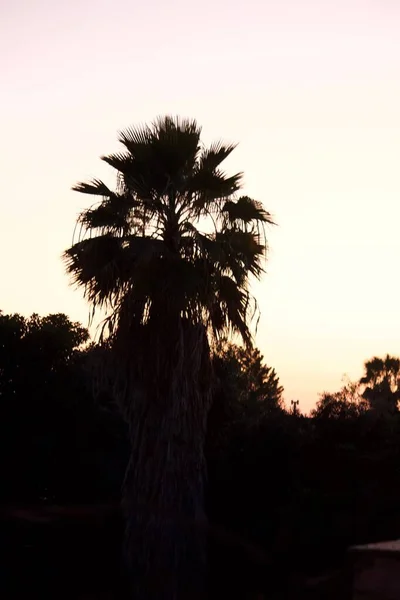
(246,385)
(382,384)
(347,403)
(42,382)
(36,349)
(168,256)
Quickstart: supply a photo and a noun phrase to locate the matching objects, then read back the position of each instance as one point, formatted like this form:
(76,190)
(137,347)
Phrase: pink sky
(311,91)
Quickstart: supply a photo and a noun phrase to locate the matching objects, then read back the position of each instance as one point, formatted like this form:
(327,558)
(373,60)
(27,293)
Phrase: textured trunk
(166,533)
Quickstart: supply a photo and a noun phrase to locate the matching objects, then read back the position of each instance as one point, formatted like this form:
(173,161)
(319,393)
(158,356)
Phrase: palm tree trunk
(166,530)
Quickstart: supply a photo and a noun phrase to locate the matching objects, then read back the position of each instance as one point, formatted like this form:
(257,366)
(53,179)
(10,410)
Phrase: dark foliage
(287,494)
(56,441)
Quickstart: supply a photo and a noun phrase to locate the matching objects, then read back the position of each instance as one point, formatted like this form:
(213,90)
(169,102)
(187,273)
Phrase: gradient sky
(309,89)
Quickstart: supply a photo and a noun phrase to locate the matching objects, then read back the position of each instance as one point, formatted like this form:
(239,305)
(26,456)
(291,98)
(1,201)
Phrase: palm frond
(96,188)
(164,153)
(199,244)
(105,264)
(120,161)
(140,250)
(175,151)
(234,303)
(137,174)
(246,209)
(208,187)
(168,123)
(114,213)
(97,264)
(244,247)
(213,156)
(134,137)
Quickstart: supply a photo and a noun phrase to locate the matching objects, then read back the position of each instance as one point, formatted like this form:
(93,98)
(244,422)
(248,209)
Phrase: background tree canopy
(286,489)
(54,435)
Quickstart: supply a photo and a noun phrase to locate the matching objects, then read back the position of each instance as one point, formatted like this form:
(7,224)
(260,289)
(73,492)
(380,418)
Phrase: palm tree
(168,256)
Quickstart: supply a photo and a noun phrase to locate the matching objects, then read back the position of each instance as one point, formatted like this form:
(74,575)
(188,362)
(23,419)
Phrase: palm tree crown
(175,238)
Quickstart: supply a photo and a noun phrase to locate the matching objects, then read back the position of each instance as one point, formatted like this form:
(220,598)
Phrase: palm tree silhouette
(168,256)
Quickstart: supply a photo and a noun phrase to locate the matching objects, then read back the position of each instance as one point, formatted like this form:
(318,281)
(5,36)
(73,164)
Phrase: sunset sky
(309,89)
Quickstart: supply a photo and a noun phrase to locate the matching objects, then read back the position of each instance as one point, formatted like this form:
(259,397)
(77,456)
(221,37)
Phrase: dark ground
(74,553)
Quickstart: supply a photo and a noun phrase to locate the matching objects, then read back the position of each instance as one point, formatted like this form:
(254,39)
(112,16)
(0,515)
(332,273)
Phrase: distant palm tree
(168,256)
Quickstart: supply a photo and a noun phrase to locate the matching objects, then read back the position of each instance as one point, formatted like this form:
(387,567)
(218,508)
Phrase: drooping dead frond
(97,265)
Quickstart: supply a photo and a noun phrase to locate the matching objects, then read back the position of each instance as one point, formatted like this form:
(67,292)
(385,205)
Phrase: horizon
(310,93)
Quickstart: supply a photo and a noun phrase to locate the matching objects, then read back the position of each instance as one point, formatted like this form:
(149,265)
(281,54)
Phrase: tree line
(298,487)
